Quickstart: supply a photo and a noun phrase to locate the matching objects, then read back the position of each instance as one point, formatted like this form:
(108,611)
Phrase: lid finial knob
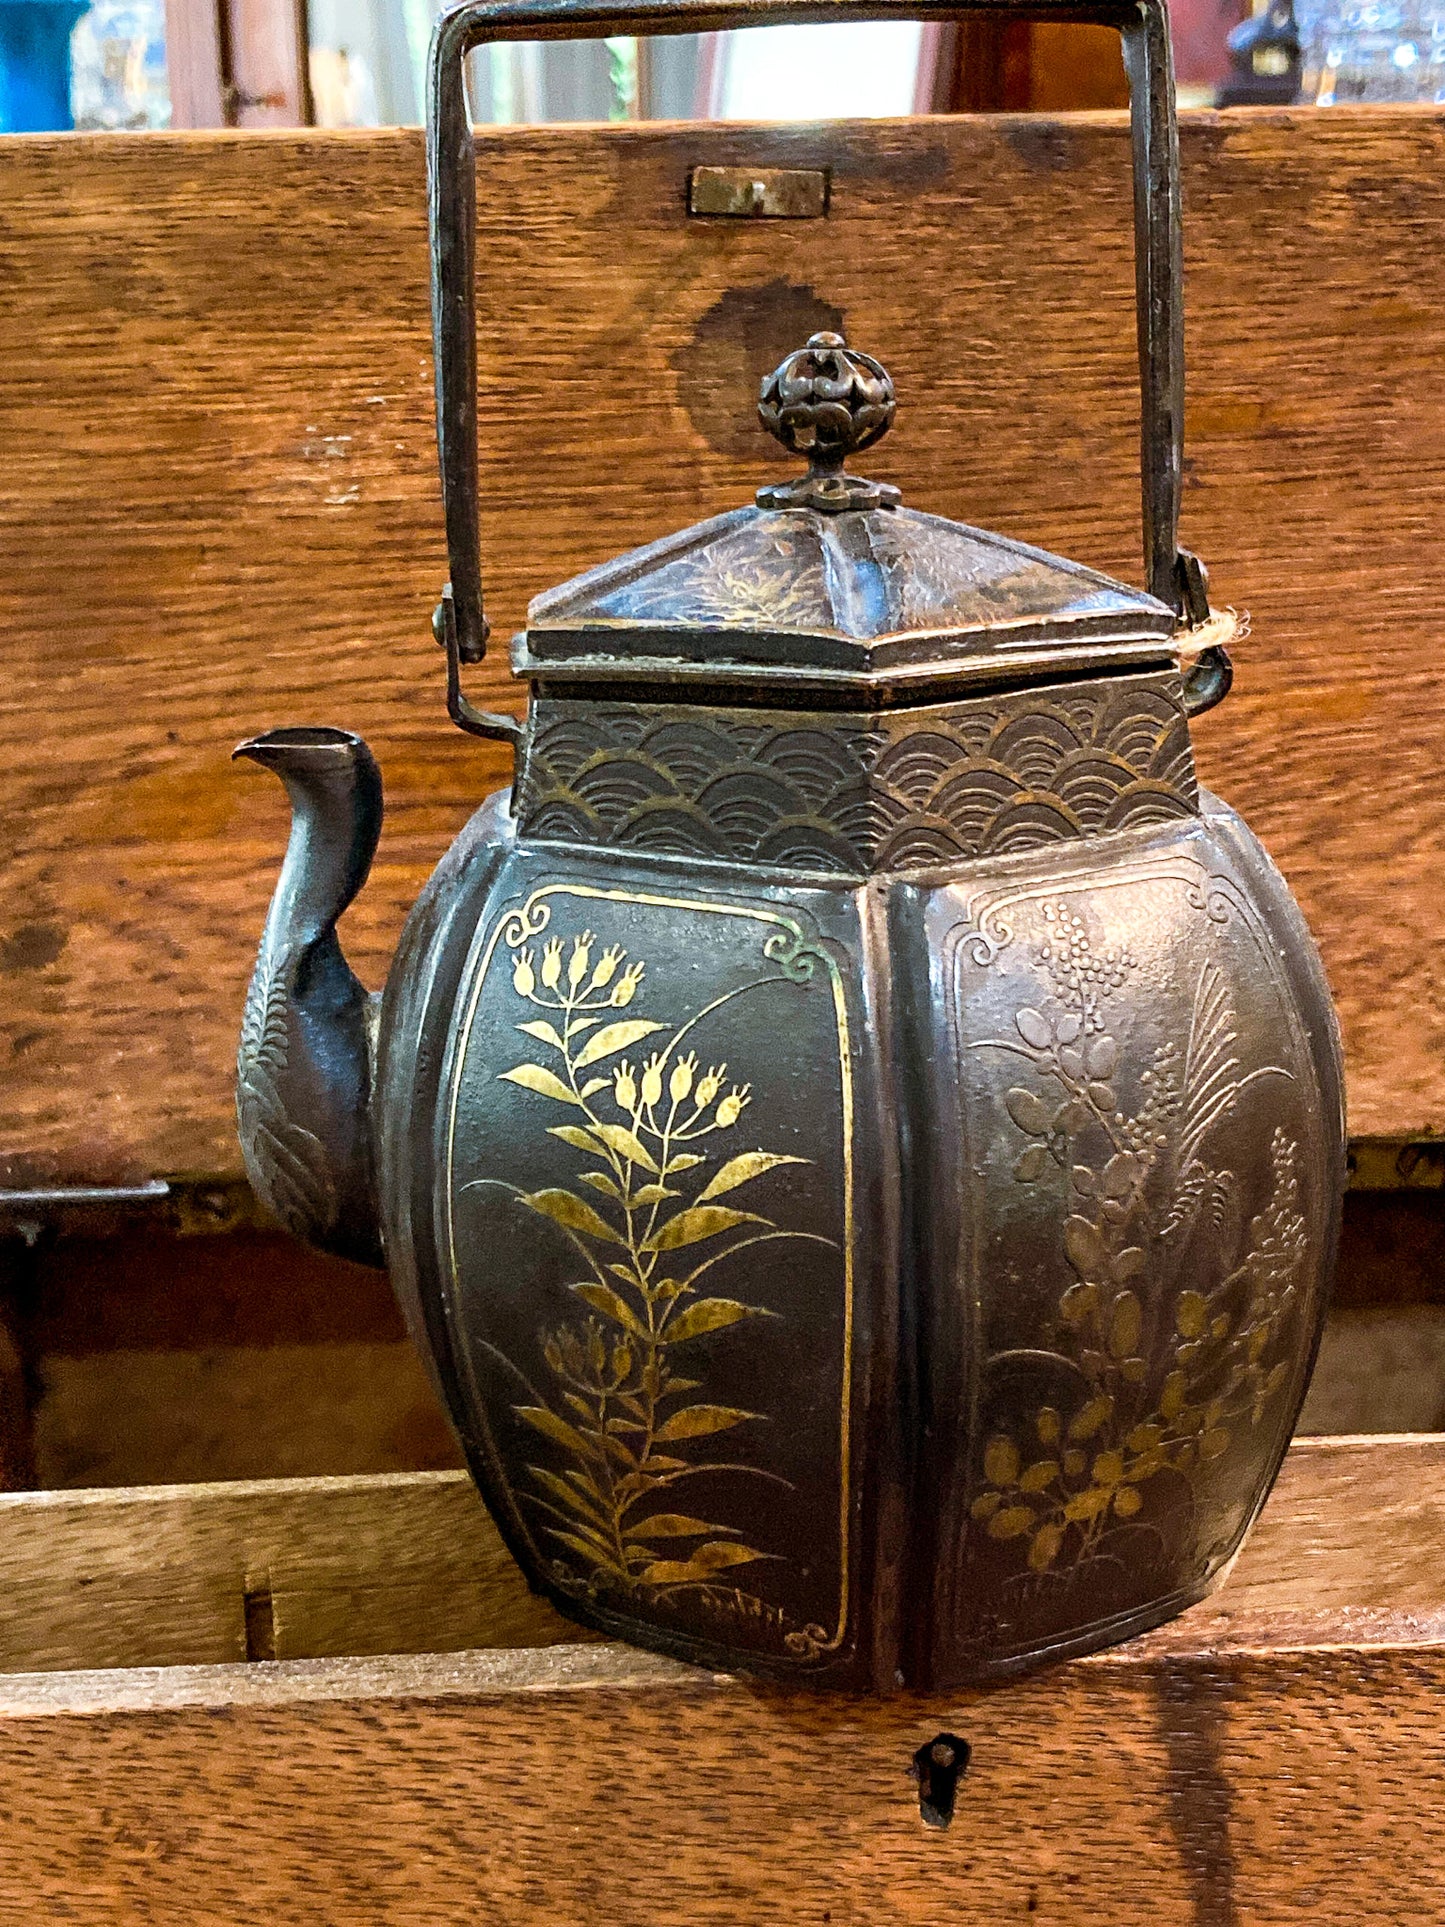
(827,401)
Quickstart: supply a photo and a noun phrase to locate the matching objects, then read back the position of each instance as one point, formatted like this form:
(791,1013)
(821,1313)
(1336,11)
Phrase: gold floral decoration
(627,1425)
(1137,1184)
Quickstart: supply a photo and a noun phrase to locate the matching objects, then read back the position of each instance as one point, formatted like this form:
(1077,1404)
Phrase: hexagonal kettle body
(858,1135)
(899,1275)
(859,1138)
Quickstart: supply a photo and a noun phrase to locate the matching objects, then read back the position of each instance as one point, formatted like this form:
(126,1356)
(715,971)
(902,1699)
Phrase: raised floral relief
(660,1212)
(1168,1374)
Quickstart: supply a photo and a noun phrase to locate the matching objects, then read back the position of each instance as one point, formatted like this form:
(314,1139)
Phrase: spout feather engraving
(286,1162)
(303,1075)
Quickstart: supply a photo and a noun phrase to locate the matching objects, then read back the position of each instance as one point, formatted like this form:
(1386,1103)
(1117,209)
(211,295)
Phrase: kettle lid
(830,581)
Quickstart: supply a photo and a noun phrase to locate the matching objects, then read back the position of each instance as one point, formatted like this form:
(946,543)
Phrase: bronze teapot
(856,1132)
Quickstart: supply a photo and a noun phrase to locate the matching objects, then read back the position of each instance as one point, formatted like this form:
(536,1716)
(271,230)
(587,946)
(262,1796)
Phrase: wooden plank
(1382,1368)
(148,1357)
(238,63)
(234,1411)
(1352,1523)
(159,1575)
(219,508)
(1275,1763)
(1274,1757)
(274,1568)
(1223,1787)
(151,1356)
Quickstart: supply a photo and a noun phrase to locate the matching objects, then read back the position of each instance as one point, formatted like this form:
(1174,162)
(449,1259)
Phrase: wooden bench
(332,1700)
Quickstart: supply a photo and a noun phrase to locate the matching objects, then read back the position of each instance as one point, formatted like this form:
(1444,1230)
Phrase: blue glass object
(35,64)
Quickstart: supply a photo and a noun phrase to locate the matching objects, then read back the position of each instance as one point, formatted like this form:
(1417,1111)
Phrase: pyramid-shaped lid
(829,581)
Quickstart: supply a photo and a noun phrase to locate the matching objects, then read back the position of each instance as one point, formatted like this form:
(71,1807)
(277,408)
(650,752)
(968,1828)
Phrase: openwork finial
(827,401)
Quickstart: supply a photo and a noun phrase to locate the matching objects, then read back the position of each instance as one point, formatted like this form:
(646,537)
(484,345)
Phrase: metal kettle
(857,1132)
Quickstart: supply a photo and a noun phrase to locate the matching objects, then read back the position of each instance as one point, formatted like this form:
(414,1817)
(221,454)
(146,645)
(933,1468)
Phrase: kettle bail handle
(1143,26)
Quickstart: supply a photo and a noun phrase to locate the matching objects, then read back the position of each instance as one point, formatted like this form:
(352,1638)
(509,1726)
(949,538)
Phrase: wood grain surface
(1222,1789)
(410,1562)
(162,1575)
(219,509)
(1250,1766)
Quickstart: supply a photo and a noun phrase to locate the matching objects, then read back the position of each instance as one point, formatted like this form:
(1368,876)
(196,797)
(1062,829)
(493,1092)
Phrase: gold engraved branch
(656,1226)
(1151,1402)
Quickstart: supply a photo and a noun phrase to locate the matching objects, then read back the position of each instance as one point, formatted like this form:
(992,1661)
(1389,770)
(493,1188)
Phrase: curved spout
(303,1075)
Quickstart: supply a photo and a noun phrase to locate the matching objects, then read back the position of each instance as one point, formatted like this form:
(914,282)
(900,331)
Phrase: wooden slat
(1212,1790)
(410,1562)
(1276,1764)
(219,508)
(269,82)
(162,1575)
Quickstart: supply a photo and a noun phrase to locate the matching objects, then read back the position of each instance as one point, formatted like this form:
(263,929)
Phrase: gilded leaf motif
(1087,1251)
(708,1315)
(568,1495)
(544,1032)
(565,1209)
(653,1194)
(613,1038)
(670,1525)
(738,1170)
(1034,1029)
(630,1417)
(695,1421)
(707,1560)
(556,1429)
(612,1305)
(1136,1187)
(627,1144)
(1125,1324)
(534,1077)
(690,1227)
(1029,1112)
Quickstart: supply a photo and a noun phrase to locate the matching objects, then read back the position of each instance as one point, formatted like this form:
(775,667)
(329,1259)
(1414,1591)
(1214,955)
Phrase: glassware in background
(1202,62)
(368,67)
(1372,50)
(368,61)
(118,66)
(34,64)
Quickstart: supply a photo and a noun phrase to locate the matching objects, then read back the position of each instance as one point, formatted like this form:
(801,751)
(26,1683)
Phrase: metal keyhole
(938,1766)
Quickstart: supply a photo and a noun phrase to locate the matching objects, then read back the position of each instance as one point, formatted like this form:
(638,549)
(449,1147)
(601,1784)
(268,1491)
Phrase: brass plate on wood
(760,193)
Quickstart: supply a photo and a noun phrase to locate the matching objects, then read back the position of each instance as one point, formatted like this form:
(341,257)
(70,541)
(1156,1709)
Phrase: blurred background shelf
(185,1340)
(361,63)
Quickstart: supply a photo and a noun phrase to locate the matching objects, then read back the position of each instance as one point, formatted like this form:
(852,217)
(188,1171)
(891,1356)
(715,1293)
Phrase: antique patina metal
(857,1131)
(759,194)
